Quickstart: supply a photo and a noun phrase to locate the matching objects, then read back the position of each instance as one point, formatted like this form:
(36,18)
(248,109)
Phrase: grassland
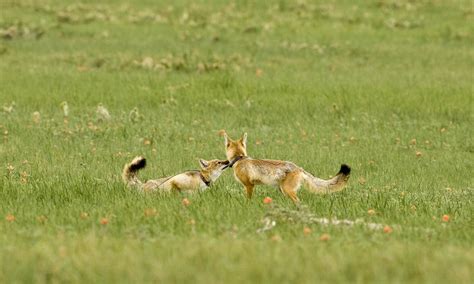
(385,86)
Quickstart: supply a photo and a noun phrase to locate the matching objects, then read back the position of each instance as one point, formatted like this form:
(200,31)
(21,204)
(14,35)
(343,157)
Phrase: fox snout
(226,164)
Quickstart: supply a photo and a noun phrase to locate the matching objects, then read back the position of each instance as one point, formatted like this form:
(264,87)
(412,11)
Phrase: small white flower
(65,109)
(36,117)
(102,113)
(134,115)
(10,108)
(148,63)
(268,224)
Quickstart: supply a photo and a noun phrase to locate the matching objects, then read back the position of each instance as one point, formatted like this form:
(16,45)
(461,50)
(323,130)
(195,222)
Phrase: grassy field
(384,86)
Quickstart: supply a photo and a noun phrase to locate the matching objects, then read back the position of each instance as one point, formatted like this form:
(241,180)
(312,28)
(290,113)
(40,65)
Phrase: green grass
(320,84)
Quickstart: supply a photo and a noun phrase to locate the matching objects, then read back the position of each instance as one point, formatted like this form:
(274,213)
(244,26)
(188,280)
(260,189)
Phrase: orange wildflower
(267,200)
(324,237)
(387,229)
(10,218)
(186,202)
(306,231)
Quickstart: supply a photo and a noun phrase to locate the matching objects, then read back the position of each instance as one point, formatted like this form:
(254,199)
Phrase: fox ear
(244,139)
(204,164)
(226,139)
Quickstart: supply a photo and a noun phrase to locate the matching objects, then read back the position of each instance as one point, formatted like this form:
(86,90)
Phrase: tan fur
(285,175)
(186,181)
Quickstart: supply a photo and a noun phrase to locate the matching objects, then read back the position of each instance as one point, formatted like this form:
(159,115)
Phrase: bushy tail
(337,183)
(130,171)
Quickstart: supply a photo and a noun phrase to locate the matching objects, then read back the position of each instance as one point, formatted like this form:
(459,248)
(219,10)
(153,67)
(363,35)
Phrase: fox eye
(228,144)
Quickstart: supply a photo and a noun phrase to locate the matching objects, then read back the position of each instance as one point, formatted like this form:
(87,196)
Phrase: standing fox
(286,175)
(196,180)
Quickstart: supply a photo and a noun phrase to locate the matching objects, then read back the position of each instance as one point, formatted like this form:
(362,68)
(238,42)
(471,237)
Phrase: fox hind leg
(290,185)
(291,192)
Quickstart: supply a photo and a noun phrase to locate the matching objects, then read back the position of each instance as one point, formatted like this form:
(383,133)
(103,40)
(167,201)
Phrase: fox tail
(130,171)
(335,184)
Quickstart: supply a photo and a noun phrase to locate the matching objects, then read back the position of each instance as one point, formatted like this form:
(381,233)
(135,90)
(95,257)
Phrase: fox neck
(206,177)
(210,176)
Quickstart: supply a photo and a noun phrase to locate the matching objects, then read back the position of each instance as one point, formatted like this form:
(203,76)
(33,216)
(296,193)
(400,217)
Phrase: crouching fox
(195,180)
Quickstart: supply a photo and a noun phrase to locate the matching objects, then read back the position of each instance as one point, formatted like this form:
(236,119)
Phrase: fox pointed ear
(204,164)
(244,139)
(226,139)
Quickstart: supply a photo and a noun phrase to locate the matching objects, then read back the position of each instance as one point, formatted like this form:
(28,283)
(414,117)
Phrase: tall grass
(385,86)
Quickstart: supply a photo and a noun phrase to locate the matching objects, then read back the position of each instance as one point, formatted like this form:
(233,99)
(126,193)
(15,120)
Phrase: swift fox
(195,180)
(286,175)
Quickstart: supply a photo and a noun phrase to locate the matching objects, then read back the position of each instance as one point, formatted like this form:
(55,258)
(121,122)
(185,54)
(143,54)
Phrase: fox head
(235,148)
(213,168)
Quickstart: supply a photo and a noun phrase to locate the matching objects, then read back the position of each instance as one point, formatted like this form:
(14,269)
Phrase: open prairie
(385,86)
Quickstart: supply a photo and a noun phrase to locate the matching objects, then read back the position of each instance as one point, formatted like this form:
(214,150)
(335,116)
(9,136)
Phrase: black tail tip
(345,169)
(139,164)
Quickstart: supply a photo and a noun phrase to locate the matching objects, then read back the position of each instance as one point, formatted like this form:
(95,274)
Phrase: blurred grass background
(385,86)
